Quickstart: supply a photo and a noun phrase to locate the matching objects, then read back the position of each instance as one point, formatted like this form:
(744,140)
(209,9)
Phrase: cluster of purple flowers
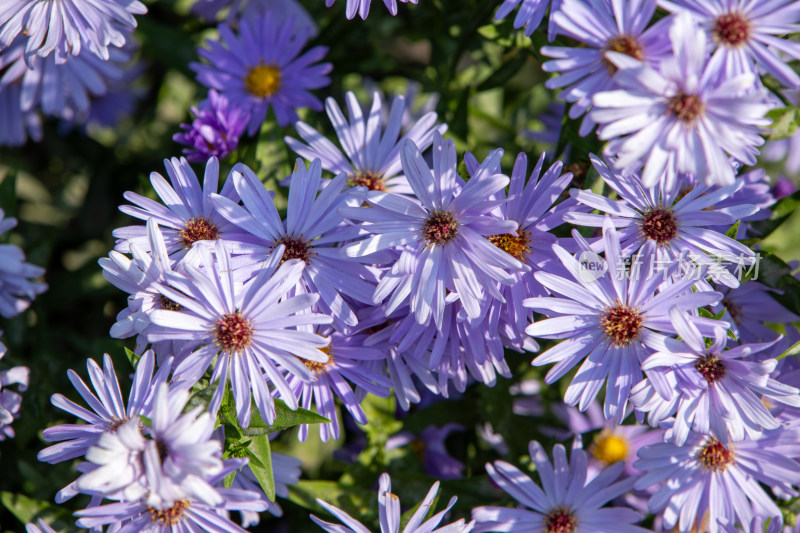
(57,57)
(401,273)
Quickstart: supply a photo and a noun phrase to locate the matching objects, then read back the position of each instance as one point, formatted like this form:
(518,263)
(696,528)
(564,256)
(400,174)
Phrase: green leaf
(261,465)
(781,211)
(132,357)
(23,507)
(784,122)
(146,421)
(285,418)
(793,350)
(731,233)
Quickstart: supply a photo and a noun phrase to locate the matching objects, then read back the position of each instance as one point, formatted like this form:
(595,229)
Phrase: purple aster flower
(17,124)
(244,328)
(389,512)
(261,67)
(530,205)
(686,116)
(372,148)
(348,361)
(311,232)
(182,512)
(610,322)
(185,516)
(138,277)
(168,461)
(712,390)
(109,409)
(11,401)
(429,446)
(17,291)
(705,478)
(362,7)
(443,236)
(530,14)
(566,501)
(67,27)
(602,26)
(187,215)
(612,442)
(749,308)
(747,34)
(61,90)
(677,222)
(215,131)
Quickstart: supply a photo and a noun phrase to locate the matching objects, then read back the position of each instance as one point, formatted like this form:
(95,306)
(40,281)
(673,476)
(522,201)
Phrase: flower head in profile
(361,7)
(686,115)
(615,26)
(389,509)
(610,322)
(707,482)
(714,391)
(566,500)
(748,36)
(311,233)
(66,27)
(247,331)
(215,130)
(442,234)
(138,276)
(262,67)
(371,149)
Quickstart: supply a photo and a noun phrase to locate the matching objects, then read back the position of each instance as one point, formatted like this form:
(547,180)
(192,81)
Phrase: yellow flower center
(263,80)
(317,367)
(514,245)
(609,448)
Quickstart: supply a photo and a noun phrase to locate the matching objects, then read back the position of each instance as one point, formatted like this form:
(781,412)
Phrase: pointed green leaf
(731,233)
(793,350)
(132,357)
(784,122)
(261,465)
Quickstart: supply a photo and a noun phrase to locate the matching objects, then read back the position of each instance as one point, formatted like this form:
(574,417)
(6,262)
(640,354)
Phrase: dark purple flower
(215,131)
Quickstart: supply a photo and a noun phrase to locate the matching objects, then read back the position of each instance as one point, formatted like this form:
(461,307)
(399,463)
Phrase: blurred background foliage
(66,189)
